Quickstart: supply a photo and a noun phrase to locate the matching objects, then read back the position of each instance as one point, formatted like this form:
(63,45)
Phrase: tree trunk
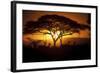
(60,41)
(54,43)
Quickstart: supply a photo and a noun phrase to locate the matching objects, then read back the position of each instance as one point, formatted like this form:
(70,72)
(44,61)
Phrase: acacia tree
(59,26)
(56,26)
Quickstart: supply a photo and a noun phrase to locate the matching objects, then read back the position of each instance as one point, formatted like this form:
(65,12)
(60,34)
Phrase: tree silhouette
(56,26)
(30,27)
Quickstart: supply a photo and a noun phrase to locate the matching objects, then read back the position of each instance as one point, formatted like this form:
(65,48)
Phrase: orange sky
(34,15)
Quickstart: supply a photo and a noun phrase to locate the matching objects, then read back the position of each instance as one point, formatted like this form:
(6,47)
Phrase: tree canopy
(54,21)
(56,25)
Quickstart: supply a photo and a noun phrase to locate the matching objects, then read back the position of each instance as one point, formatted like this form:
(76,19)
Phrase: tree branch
(59,36)
(70,33)
(44,32)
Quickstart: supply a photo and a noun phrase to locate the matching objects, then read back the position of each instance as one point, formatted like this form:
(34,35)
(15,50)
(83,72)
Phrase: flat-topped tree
(59,26)
(56,26)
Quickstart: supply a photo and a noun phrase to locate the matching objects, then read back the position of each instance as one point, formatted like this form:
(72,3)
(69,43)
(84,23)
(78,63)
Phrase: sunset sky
(34,15)
(83,18)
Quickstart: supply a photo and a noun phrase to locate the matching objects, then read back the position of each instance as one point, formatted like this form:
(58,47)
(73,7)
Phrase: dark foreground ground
(66,52)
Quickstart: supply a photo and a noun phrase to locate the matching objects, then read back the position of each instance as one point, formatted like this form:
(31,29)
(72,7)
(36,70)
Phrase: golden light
(48,38)
(56,34)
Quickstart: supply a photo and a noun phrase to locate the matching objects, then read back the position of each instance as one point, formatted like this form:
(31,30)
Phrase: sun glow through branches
(56,34)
